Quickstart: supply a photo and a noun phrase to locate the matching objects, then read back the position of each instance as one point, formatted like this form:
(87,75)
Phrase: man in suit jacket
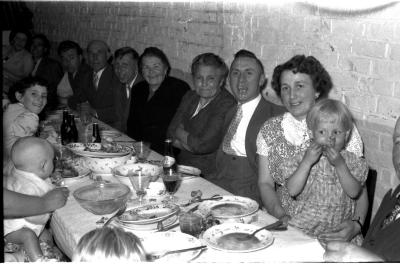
(46,68)
(126,70)
(382,241)
(236,158)
(98,87)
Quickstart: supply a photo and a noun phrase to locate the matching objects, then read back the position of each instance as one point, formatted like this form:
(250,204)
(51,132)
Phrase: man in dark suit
(126,70)
(97,88)
(46,68)
(236,158)
(75,71)
(382,241)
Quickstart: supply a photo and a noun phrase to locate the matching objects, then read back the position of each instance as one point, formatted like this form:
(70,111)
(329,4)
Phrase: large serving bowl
(122,172)
(102,198)
(105,165)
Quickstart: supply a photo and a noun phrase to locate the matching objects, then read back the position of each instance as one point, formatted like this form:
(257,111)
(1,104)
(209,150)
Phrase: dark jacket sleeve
(178,117)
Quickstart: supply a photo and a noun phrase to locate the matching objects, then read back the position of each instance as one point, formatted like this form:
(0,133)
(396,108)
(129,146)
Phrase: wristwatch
(358,222)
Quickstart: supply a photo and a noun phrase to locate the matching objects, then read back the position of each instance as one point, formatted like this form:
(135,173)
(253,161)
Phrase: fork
(215,197)
(118,213)
(152,257)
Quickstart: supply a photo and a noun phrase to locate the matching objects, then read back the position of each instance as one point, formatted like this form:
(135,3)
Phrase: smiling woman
(20,119)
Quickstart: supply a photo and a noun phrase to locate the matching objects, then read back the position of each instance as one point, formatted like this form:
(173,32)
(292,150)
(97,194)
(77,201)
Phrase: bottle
(74,130)
(169,164)
(96,134)
(65,129)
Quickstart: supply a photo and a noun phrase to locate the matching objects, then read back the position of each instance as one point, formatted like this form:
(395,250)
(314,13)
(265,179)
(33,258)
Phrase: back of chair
(370,184)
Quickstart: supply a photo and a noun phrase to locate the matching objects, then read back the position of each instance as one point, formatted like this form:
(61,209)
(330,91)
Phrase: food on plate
(236,241)
(228,209)
(66,168)
(108,147)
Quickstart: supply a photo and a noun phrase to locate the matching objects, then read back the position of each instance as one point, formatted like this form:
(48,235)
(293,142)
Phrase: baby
(325,180)
(33,164)
(111,244)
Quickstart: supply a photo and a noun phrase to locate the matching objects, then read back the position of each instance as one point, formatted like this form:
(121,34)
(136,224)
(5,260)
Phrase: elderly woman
(197,127)
(17,61)
(154,100)
(28,98)
(299,82)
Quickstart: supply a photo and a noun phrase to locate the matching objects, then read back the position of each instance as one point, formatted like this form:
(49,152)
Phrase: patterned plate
(78,149)
(229,207)
(147,227)
(223,237)
(147,214)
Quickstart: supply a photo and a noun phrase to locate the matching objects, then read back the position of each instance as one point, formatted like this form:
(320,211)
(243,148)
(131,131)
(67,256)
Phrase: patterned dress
(284,137)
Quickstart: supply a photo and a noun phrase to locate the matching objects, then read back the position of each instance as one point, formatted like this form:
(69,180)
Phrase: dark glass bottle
(169,163)
(74,130)
(65,129)
(96,134)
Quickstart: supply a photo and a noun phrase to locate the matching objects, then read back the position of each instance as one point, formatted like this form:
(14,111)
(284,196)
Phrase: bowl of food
(122,172)
(105,165)
(102,198)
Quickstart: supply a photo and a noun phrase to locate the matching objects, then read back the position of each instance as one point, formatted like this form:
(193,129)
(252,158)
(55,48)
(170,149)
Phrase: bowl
(76,146)
(121,172)
(102,198)
(93,146)
(105,165)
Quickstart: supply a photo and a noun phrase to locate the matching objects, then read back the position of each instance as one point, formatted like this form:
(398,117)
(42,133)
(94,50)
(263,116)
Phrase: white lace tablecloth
(71,222)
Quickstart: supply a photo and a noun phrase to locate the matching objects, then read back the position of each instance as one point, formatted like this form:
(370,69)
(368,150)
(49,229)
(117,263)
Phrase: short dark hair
(15,31)
(67,45)
(22,85)
(45,40)
(126,50)
(156,52)
(309,65)
(249,54)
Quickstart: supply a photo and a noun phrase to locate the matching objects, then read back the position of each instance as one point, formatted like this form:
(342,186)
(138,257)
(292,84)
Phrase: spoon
(274,226)
(118,213)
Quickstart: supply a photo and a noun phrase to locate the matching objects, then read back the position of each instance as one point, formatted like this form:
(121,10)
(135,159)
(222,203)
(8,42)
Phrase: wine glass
(140,182)
(142,150)
(171,182)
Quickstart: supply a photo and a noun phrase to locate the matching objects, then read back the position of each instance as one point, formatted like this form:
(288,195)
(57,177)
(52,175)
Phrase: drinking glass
(84,114)
(171,182)
(142,150)
(191,223)
(140,182)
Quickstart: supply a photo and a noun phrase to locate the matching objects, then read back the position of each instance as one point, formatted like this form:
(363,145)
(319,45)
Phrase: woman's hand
(343,232)
(312,154)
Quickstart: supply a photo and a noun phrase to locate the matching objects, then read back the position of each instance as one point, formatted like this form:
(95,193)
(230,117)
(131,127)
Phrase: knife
(157,256)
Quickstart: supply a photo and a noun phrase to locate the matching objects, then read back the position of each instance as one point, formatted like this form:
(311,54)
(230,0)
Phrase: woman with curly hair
(300,83)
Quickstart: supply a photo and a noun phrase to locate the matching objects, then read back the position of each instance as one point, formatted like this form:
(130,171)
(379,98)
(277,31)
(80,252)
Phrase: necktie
(226,143)
(95,80)
(128,90)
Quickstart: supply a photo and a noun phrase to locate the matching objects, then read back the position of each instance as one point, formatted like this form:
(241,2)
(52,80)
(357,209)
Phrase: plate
(162,241)
(188,171)
(221,237)
(77,149)
(110,133)
(147,227)
(229,207)
(147,214)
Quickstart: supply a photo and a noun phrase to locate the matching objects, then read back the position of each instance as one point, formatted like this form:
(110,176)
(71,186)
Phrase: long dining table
(71,222)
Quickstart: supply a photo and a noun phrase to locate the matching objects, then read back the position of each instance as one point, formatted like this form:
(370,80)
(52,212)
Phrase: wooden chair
(370,184)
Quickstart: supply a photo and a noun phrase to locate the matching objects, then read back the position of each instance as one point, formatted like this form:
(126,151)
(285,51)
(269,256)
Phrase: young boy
(33,164)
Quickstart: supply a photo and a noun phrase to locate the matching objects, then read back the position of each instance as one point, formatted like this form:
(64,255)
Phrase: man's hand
(313,153)
(343,232)
(339,251)
(56,198)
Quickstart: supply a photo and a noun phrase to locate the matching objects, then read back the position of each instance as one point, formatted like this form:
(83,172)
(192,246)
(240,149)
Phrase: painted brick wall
(360,50)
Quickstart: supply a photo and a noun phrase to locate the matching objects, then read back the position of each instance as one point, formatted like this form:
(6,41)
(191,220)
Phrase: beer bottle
(74,130)
(96,134)
(65,129)
(169,164)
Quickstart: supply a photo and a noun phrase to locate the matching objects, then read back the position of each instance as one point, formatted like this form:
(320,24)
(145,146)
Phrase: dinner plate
(110,133)
(77,148)
(166,241)
(222,237)
(188,171)
(229,207)
(146,227)
(147,214)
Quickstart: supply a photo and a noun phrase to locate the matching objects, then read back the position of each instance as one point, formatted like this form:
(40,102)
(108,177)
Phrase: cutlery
(215,197)
(278,225)
(118,213)
(152,257)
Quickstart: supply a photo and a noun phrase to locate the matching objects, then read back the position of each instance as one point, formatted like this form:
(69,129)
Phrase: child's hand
(313,153)
(334,157)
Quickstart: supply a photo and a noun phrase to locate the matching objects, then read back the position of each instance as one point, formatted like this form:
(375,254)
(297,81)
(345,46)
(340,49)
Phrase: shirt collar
(252,103)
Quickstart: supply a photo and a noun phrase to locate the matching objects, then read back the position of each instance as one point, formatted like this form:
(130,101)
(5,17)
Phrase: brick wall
(361,50)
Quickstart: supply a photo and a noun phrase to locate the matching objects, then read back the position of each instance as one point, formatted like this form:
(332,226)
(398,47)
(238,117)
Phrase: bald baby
(35,155)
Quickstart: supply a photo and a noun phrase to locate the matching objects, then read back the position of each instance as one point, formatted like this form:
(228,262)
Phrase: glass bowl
(102,198)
